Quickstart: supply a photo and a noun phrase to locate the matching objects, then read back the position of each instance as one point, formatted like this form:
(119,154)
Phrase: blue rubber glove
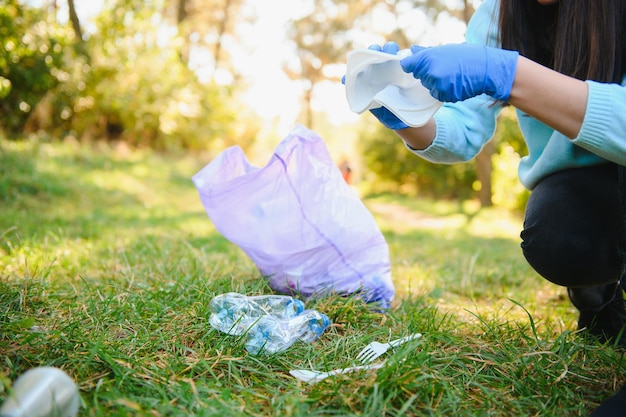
(387,118)
(457,72)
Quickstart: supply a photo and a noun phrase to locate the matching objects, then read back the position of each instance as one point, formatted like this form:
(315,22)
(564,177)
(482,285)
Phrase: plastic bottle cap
(42,391)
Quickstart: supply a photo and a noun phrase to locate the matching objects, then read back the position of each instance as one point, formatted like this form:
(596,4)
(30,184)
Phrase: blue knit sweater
(464,127)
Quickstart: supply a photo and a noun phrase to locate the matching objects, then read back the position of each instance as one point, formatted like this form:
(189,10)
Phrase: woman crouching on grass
(561,64)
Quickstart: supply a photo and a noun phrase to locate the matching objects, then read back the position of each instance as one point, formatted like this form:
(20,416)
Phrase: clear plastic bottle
(271,334)
(235,313)
(42,392)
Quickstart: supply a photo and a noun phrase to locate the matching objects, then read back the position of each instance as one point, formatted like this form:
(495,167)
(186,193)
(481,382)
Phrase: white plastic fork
(312,377)
(376,349)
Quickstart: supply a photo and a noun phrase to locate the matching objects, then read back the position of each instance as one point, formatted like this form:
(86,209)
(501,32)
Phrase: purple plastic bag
(303,227)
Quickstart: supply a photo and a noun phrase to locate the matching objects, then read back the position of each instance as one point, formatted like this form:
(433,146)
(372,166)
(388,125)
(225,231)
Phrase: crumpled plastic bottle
(44,391)
(272,334)
(235,313)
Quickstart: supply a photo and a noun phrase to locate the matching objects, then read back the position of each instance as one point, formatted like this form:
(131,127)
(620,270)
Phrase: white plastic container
(376,79)
(42,392)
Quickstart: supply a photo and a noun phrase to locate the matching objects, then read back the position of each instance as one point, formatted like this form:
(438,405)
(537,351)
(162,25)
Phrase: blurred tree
(205,24)
(30,61)
(322,38)
(135,87)
(510,146)
(127,83)
(74,20)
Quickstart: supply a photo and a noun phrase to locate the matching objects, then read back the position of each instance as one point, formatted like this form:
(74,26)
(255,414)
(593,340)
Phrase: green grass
(108,263)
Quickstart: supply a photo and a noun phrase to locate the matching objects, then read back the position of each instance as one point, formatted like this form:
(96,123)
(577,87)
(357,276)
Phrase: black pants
(574,230)
(575,235)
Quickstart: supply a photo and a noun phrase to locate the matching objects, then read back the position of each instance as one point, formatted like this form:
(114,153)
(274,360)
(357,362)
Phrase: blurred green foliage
(398,170)
(137,88)
(393,168)
(125,81)
(507,191)
(30,61)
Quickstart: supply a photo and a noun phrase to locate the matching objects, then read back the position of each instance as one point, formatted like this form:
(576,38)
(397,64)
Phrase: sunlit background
(260,50)
(205,75)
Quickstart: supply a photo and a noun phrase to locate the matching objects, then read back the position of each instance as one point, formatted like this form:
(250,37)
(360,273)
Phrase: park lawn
(108,264)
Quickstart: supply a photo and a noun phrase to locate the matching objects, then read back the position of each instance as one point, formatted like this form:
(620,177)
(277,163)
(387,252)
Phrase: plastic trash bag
(303,227)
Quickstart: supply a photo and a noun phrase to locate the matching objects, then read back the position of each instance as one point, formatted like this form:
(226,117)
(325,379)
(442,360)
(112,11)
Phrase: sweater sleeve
(603,131)
(464,127)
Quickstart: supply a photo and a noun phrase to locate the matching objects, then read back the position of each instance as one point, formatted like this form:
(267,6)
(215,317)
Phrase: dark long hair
(580,38)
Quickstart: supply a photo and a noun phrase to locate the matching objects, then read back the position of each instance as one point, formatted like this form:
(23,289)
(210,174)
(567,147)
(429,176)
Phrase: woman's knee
(570,262)
(573,230)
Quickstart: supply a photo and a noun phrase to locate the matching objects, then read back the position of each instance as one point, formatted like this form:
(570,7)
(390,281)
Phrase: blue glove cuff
(503,63)
(388,119)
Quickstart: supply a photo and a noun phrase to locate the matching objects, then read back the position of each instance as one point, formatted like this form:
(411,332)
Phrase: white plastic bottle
(235,313)
(42,392)
(271,334)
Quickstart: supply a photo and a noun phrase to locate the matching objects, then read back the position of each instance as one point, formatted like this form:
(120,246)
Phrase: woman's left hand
(456,72)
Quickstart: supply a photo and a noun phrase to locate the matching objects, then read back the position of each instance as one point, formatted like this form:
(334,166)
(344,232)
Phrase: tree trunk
(75,22)
(308,110)
(466,12)
(181,16)
(221,32)
(181,13)
(484,169)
